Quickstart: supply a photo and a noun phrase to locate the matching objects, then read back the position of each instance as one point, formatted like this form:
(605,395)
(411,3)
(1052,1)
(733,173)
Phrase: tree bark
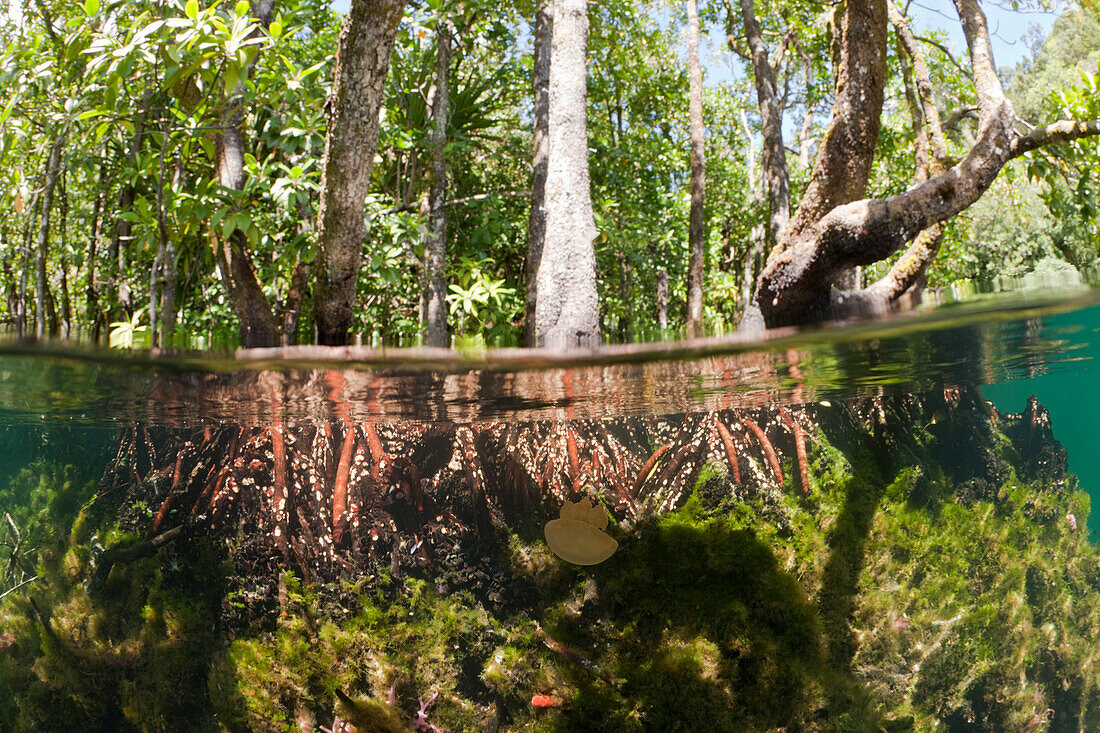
(536,224)
(292,306)
(53,168)
(847,151)
(774,157)
(258,327)
(66,298)
(698,178)
(256,319)
(433,300)
(362,63)
(567,307)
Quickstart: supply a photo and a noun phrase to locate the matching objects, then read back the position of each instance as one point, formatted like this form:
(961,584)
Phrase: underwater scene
(879,528)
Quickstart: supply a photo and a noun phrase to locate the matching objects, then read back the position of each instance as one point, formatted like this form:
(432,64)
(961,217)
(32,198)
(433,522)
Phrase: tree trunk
(53,168)
(154,282)
(91,289)
(805,134)
(292,307)
(908,273)
(169,271)
(362,62)
(536,226)
(258,326)
(119,305)
(843,164)
(832,231)
(753,260)
(66,299)
(771,121)
(662,299)
(567,308)
(256,319)
(433,300)
(698,178)
(169,296)
(626,292)
(21,316)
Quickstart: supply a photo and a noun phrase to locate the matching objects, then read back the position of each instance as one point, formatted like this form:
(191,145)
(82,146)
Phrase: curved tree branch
(1062,131)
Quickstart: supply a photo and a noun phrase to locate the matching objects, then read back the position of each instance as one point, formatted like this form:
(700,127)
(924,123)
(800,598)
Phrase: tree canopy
(183,174)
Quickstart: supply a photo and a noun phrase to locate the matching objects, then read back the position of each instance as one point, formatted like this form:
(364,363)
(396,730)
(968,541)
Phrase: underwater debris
(420,721)
(578,536)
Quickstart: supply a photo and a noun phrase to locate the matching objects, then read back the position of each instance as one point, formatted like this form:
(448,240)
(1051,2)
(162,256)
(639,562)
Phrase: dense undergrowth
(930,579)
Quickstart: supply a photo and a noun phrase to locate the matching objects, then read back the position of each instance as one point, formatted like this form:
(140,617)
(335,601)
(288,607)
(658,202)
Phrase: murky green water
(868,528)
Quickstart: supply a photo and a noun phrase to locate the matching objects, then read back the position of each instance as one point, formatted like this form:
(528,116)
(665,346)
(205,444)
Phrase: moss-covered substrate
(929,579)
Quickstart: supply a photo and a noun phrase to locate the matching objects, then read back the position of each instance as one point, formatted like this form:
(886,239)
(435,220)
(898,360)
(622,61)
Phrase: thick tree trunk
(433,300)
(567,310)
(930,154)
(847,152)
(53,168)
(536,224)
(829,235)
(774,155)
(362,63)
(698,178)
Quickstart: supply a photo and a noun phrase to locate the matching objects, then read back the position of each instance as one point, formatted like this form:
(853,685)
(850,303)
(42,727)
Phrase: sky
(1006,27)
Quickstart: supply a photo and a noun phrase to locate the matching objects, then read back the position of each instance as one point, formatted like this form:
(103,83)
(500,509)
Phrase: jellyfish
(578,537)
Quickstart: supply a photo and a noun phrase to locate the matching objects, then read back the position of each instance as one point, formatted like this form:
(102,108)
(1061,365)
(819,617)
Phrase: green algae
(928,580)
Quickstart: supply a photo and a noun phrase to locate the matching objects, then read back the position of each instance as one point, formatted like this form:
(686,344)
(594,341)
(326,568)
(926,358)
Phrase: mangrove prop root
(278,450)
(800,449)
(574,463)
(648,466)
(731,450)
(348,497)
(340,485)
(766,445)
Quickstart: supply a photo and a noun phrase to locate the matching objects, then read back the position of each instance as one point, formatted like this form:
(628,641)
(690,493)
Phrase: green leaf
(232,78)
(192,9)
(242,7)
(276,29)
(91,7)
